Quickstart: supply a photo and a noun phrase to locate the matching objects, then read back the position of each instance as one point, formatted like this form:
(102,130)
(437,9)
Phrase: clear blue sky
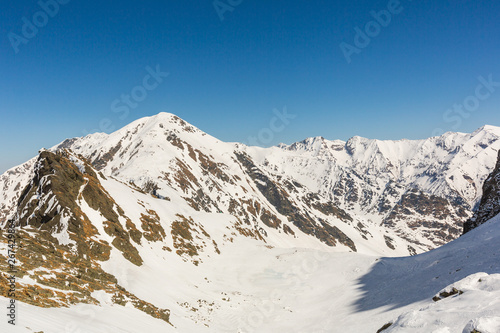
(226,77)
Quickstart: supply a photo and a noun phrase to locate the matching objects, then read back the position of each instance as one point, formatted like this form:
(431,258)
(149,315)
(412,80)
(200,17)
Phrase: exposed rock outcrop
(489,206)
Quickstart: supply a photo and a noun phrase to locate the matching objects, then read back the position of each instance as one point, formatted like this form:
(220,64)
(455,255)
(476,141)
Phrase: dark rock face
(419,210)
(49,203)
(489,206)
(280,199)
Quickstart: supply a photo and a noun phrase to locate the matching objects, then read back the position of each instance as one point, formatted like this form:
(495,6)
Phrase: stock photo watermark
(277,124)
(463,110)
(266,135)
(12,264)
(224,6)
(365,35)
(31,26)
(294,277)
(131,100)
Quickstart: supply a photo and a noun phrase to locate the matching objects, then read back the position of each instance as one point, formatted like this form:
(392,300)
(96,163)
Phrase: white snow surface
(251,288)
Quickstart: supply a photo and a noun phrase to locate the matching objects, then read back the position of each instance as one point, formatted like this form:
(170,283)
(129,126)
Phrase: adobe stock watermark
(372,29)
(266,135)
(223,6)
(129,101)
(277,124)
(12,248)
(460,111)
(31,27)
(293,278)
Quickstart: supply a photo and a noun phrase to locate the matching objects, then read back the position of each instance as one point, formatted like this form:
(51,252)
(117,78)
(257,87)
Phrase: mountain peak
(166,117)
(163,120)
(488,128)
(314,144)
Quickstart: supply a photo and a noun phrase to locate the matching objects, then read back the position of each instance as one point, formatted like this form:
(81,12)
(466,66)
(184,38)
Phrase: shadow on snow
(397,282)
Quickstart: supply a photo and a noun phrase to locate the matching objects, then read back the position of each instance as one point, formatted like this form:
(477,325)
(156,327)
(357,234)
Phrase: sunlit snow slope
(256,289)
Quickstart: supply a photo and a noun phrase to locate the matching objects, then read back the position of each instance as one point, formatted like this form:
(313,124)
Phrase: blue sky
(227,76)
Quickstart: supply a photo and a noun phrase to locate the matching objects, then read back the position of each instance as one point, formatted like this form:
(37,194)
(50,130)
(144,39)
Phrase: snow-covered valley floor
(254,288)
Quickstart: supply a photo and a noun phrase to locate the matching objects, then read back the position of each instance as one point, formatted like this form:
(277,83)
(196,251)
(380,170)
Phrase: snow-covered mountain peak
(311,145)
(145,146)
(160,123)
(359,147)
(488,128)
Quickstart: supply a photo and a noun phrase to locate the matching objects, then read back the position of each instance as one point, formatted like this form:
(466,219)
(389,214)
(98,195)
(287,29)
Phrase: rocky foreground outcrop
(489,206)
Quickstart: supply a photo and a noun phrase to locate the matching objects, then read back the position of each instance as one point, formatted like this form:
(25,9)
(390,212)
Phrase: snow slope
(470,264)
(301,290)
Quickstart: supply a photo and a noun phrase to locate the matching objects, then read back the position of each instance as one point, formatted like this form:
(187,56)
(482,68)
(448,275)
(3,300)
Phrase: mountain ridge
(384,180)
